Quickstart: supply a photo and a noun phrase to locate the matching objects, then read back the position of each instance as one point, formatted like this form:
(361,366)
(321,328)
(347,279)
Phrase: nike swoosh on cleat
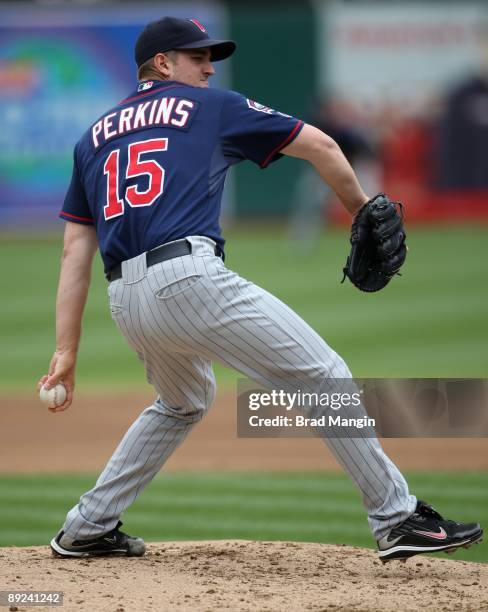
(440,535)
(394,541)
(111,540)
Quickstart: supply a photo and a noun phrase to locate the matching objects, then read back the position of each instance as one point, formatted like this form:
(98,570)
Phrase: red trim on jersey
(147,93)
(287,140)
(85,219)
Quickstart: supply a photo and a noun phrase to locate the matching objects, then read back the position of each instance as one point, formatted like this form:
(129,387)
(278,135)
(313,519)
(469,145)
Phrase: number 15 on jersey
(114,206)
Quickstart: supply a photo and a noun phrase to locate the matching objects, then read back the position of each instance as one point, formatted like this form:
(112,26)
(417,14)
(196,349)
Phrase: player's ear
(163,64)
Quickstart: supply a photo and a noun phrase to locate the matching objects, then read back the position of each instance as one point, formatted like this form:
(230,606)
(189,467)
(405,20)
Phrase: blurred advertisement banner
(402,52)
(60,68)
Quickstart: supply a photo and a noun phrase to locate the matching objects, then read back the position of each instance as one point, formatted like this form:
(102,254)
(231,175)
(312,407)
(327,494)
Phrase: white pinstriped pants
(179,316)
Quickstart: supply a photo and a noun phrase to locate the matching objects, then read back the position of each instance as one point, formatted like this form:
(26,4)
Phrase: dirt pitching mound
(239,575)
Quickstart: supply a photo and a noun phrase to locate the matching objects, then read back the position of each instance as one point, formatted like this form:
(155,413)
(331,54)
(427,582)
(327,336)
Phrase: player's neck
(153,75)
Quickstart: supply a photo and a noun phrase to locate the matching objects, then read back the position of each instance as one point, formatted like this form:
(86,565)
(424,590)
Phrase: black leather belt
(161,253)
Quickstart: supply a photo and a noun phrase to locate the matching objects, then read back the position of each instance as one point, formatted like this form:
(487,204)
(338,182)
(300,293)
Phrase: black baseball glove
(378,247)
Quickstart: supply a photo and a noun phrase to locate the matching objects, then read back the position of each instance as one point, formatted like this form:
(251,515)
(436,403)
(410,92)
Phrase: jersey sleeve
(249,130)
(75,207)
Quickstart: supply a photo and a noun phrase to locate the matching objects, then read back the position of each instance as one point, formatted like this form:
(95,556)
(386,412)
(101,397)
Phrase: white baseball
(53,397)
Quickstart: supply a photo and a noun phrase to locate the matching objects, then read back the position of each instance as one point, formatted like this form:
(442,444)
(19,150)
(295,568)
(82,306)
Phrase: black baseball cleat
(425,531)
(114,542)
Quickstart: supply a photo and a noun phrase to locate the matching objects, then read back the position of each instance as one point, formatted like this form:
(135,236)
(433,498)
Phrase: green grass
(312,507)
(429,323)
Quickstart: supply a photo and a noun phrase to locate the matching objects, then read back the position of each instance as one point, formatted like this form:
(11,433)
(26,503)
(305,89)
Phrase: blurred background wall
(405,84)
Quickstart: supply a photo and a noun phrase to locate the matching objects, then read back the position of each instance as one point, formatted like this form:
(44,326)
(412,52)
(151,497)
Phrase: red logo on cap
(199,25)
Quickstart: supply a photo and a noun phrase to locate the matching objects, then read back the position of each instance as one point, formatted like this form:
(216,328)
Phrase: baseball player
(146,190)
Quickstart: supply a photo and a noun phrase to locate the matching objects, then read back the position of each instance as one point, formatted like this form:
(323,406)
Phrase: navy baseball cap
(172,33)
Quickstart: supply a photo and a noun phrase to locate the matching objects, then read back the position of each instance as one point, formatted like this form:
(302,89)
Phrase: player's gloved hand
(378,247)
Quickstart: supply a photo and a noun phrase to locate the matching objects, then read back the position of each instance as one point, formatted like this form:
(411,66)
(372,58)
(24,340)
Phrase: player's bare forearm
(329,161)
(80,244)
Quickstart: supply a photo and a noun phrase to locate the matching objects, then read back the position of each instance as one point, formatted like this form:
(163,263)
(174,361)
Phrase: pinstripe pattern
(179,316)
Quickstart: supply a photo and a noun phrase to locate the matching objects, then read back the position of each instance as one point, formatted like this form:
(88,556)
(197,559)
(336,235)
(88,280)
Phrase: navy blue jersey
(152,169)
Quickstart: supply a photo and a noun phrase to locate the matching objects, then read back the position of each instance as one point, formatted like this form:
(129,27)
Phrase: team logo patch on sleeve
(259,107)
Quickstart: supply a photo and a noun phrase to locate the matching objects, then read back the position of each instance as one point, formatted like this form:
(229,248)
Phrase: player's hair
(147,70)
(143,69)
